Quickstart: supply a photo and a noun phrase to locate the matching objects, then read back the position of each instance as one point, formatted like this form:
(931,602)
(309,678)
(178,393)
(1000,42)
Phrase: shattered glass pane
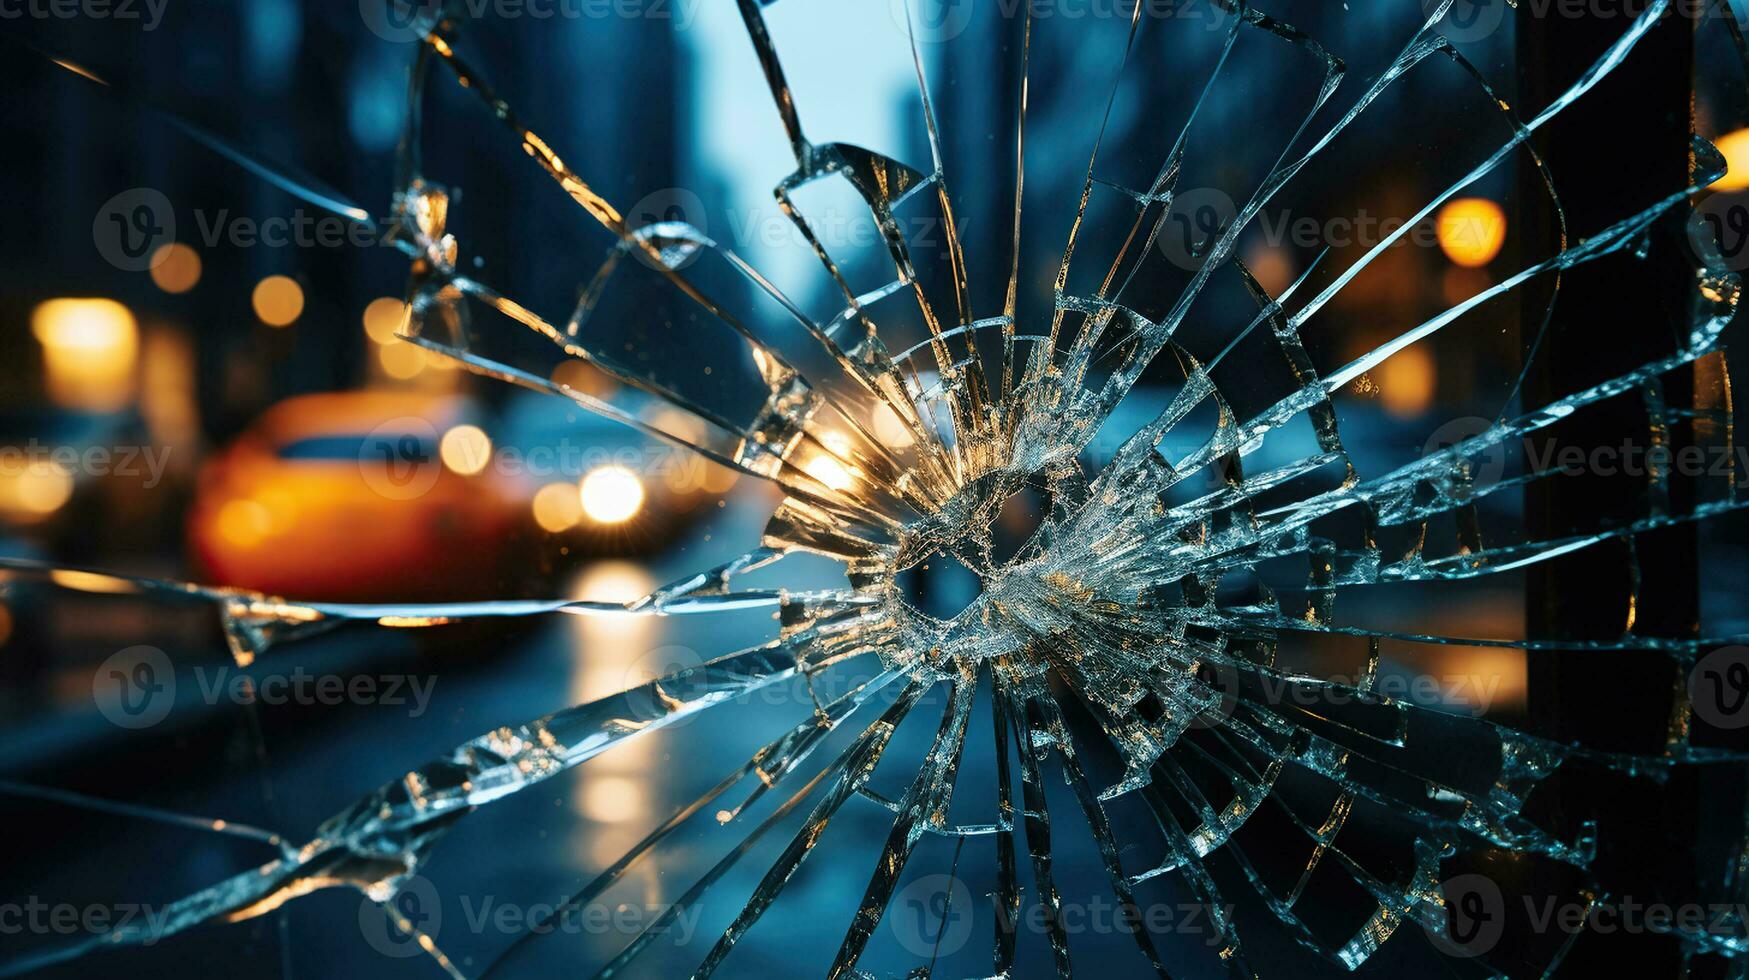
(1063,350)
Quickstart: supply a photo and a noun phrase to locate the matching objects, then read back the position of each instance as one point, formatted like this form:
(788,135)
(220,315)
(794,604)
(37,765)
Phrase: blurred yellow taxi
(366,495)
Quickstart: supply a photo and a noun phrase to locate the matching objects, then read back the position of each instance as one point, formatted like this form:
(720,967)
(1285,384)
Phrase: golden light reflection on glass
(611,495)
(890,429)
(829,467)
(383,318)
(401,361)
(557,507)
(167,393)
(90,347)
(585,378)
(1458,284)
(34,490)
(44,487)
(1485,678)
(829,471)
(717,477)
(1472,231)
(1272,267)
(1735,147)
(608,656)
(92,582)
(688,471)
(175,268)
(278,301)
(465,449)
(1407,381)
(681,425)
(604,641)
(612,799)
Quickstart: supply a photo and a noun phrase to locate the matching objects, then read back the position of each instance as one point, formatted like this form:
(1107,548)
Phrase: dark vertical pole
(1615,151)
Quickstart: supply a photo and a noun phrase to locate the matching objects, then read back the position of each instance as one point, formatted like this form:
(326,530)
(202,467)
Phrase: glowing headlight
(611,494)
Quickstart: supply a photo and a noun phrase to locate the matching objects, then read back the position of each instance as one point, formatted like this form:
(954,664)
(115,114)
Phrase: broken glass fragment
(1184,587)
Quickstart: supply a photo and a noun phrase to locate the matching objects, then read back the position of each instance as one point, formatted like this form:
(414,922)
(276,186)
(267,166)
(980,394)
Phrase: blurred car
(364,495)
(400,494)
(604,487)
